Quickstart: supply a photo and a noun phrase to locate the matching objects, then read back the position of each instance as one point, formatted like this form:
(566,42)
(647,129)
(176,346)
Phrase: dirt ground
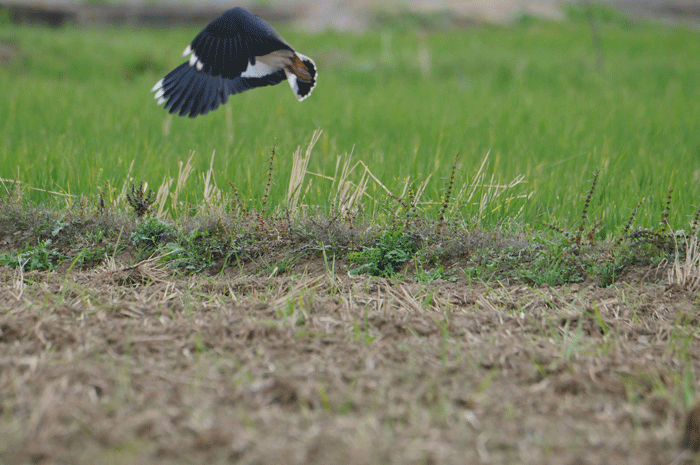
(134,365)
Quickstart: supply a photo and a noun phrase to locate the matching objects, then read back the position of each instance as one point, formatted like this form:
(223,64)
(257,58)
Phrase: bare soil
(131,364)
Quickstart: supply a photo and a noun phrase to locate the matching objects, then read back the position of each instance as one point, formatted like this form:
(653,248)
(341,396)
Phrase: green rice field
(528,102)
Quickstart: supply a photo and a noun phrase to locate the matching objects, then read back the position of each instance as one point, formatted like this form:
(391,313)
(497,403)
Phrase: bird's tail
(187,91)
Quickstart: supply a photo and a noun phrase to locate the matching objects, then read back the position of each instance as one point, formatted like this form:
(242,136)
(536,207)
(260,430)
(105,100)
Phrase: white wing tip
(158,85)
(187,51)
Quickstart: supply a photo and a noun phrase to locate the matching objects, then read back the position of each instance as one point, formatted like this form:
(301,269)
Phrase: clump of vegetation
(139,200)
(586,232)
(151,234)
(433,274)
(192,252)
(552,265)
(41,257)
(386,258)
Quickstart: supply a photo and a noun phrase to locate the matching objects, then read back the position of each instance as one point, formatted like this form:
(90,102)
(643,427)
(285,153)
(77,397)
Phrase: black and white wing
(236,52)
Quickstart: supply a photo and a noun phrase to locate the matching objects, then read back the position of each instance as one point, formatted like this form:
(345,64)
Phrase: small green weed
(194,251)
(610,271)
(392,251)
(39,257)
(554,264)
(280,267)
(152,233)
(551,271)
(431,275)
(94,256)
(361,334)
(294,310)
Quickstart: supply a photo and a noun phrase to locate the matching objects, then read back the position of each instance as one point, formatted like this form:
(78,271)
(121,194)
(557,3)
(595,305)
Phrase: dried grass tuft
(164,191)
(685,272)
(485,193)
(212,194)
(300,165)
(144,273)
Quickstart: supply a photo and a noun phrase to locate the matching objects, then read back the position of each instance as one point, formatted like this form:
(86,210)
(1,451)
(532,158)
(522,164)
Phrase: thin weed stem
(448,194)
(666,213)
(586,205)
(269,180)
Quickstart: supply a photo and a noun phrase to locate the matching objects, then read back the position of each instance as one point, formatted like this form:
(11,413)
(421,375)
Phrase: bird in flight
(235,52)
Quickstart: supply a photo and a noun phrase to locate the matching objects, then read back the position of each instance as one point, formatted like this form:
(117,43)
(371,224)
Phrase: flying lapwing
(236,52)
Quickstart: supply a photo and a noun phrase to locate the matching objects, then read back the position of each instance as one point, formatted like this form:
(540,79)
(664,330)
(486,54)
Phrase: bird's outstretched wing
(235,52)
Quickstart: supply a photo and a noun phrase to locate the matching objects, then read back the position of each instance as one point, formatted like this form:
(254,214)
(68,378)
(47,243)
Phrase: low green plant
(361,334)
(433,274)
(551,271)
(554,263)
(294,310)
(386,258)
(43,256)
(151,234)
(610,270)
(190,252)
(280,267)
(93,256)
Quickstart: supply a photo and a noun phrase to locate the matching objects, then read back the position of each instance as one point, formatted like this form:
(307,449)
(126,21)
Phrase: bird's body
(235,52)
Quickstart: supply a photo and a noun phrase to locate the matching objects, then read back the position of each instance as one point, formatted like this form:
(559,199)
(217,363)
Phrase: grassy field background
(77,116)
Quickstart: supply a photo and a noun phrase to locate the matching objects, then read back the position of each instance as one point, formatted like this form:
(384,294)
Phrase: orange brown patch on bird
(300,70)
